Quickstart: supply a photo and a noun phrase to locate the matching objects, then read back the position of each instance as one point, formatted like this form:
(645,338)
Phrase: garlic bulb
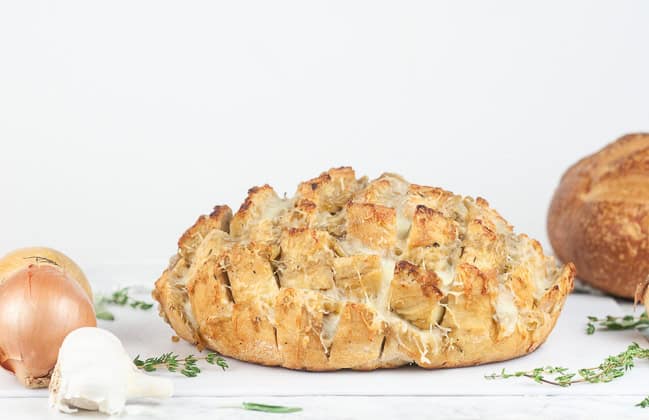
(94,372)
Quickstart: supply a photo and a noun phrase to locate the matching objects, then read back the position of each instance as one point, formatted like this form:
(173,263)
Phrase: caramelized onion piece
(39,306)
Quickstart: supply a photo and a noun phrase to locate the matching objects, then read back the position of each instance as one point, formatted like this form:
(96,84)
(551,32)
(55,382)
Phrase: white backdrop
(122,121)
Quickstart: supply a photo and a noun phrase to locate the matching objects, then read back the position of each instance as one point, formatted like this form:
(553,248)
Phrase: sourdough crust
(351,274)
(599,216)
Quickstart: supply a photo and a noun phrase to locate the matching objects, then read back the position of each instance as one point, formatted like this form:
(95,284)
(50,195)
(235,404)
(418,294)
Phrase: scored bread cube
(303,214)
(331,190)
(225,326)
(209,293)
(358,337)
(470,308)
(483,247)
(431,228)
(431,197)
(300,322)
(306,259)
(254,219)
(250,274)
(206,281)
(243,331)
(521,282)
(359,275)
(387,190)
(415,296)
(373,225)
(172,297)
(172,288)
(407,345)
(219,219)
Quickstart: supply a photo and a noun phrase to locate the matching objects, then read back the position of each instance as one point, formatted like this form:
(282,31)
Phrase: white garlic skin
(94,372)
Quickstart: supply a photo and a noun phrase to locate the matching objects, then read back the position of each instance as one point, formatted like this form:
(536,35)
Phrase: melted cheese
(506,310)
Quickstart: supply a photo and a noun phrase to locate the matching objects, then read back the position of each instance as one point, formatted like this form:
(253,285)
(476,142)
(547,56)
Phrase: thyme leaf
(173,362)
(617,323)
(104,314)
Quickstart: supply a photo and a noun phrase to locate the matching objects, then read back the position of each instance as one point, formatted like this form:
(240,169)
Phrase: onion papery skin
(39,306)
(22,258)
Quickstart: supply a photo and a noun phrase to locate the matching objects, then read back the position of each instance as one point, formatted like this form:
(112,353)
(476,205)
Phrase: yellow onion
(39,306)
(21,258)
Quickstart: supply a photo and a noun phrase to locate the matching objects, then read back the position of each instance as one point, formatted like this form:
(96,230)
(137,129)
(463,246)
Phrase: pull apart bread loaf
(361,275)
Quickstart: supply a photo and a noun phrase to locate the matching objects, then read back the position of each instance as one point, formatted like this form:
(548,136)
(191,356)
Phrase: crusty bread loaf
(351,274)
(599,216)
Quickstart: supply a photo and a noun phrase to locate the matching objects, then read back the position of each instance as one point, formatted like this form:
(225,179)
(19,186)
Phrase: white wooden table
(385,394)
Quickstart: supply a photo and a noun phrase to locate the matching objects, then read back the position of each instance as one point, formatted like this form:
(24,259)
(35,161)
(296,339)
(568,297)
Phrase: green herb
(104,314)
(644,403)
(616,323)
(119,298)
(122,298)
(611,368)
(590,328)
(269,408)
(266,408)
(174,363)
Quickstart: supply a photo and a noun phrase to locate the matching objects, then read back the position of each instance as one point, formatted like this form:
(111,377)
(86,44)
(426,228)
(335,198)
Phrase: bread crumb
(175,338)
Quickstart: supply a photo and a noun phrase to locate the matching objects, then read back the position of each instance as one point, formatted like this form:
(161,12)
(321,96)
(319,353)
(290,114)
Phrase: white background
(122,121)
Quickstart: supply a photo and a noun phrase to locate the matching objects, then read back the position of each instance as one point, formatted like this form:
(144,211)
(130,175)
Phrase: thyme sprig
(616,323)
(611,368)
(266,408)
(120,297)
(175,363)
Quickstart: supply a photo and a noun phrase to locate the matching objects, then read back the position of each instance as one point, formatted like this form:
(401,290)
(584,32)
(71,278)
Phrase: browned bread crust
(358,275)
(599,216)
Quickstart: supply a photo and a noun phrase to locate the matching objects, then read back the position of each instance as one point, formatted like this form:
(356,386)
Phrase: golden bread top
(345,258)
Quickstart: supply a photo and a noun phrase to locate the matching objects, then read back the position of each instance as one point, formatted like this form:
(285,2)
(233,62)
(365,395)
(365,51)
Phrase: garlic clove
(94,372)
(141,385)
